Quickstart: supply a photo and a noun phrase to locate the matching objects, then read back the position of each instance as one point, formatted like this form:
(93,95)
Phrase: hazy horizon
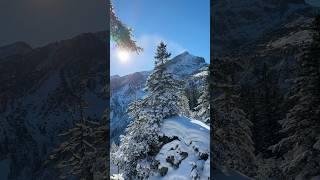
(39,22)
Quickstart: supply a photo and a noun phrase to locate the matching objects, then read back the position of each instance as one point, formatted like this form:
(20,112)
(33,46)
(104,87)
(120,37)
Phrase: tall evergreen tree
(162,54)
(301,146)
(141,141)
(232,141)
(166,97)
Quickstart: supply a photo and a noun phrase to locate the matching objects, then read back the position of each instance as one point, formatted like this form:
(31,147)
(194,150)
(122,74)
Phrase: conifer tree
(203,107)
(83,152)
(76,156)
(232,141)
(120,33)
(162,54)
(301,145)
(101,143)
(140,143)
(165,93)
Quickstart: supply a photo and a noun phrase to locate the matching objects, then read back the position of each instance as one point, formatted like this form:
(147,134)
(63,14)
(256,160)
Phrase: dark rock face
(184,155)
(204,156)
(170,159)
(38,97)
(163,171)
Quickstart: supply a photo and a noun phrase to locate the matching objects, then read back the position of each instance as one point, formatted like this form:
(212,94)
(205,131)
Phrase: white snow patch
(193,142)
(191,132)
(201,74)
(200,123)
(117,177)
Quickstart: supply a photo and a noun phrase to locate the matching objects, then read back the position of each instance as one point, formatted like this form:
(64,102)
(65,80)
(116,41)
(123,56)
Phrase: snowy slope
(188,155)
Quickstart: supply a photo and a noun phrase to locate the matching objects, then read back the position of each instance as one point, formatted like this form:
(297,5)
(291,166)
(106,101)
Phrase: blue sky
(182,24)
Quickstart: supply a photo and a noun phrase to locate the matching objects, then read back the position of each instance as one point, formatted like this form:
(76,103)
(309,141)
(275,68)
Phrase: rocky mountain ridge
(39,98)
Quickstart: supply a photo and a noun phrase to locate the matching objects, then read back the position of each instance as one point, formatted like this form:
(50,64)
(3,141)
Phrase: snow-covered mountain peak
(185,64)
(188,58)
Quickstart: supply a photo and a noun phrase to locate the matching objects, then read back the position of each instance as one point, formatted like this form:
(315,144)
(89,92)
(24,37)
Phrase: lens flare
(123,55)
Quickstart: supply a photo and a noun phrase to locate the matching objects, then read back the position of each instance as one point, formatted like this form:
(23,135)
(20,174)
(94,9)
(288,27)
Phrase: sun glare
(123,55)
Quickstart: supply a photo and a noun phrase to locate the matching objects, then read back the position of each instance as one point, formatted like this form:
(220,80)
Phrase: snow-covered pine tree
(140,144)
(202,110)
(136,151)
(301,145)
(162,55)
(76,156)
(232,141)
(113,155)
(101,143)
(166,97)
(83,153)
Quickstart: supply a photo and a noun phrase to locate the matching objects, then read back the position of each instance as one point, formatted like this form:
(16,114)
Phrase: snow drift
(187,155)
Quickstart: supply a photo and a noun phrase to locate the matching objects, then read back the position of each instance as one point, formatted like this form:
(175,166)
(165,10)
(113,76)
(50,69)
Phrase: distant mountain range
(39,98)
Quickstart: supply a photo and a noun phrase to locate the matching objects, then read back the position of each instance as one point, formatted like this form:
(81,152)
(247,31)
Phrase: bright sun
(123,55)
